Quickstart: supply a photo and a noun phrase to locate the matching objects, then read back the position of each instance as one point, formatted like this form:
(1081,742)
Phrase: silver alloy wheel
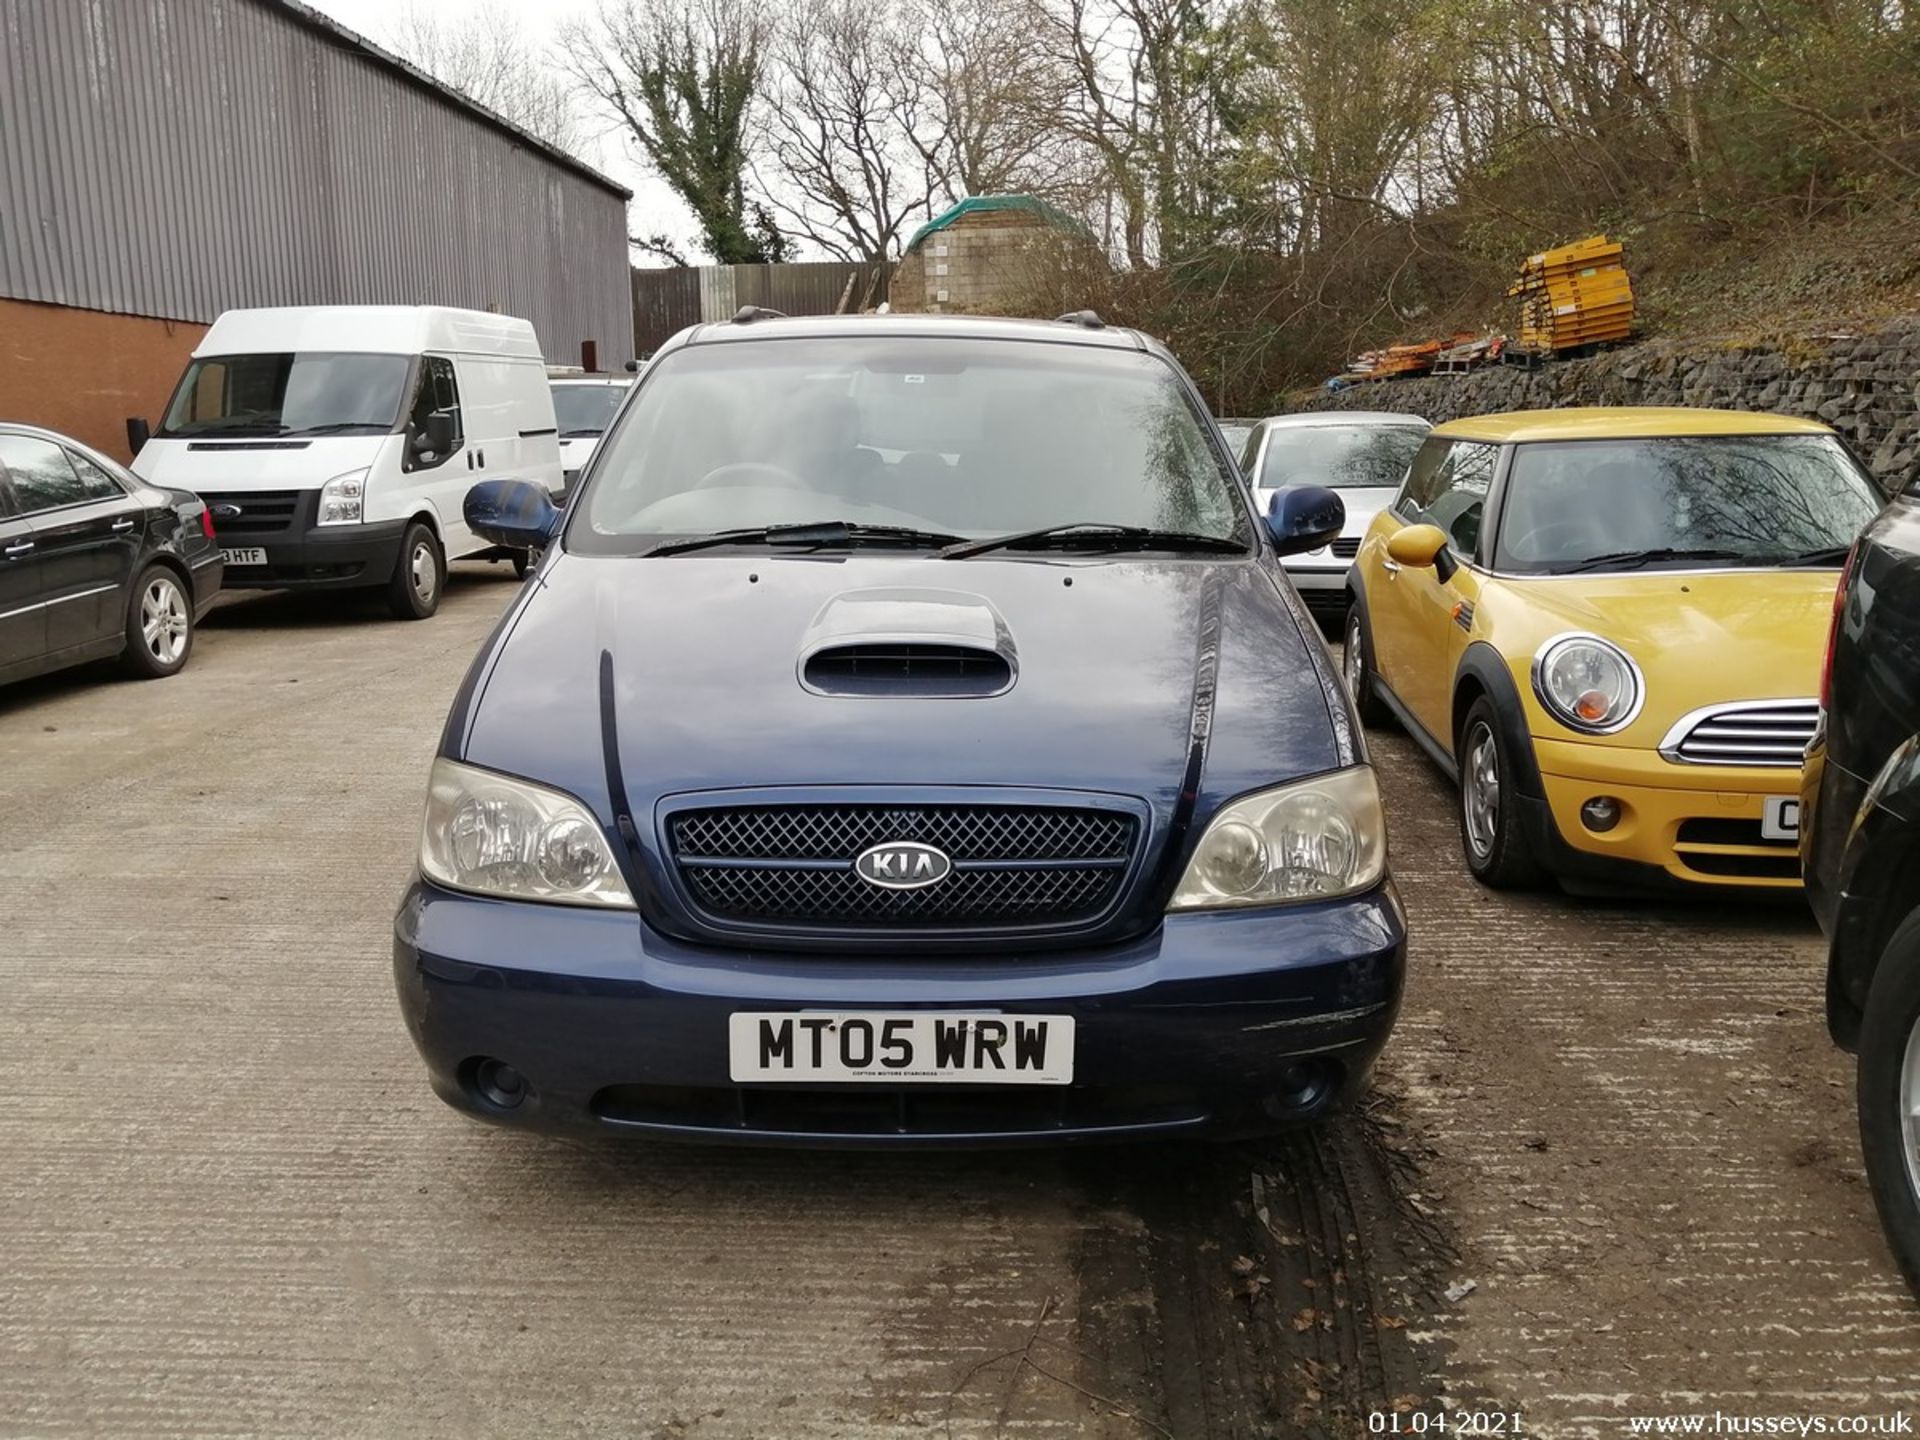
(1480,789)
(1910,1108)
(163,620)
(1352,665)
(425,574)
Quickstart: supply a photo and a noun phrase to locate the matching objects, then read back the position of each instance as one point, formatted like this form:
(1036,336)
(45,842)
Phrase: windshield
(963,437)
(288,394)
(1342,457)
(586,409)
(1759,499)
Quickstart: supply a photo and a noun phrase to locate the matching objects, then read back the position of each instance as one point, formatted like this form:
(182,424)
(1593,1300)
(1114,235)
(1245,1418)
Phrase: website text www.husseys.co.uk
(1719,1422)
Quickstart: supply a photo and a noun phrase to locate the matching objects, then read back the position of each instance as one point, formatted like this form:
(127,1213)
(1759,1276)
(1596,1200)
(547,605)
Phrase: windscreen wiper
(1820,555)
(1094,535)
(335,427)
(815,534)
(1633,559)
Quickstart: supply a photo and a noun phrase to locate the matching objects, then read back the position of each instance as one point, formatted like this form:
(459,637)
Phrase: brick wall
(83,372)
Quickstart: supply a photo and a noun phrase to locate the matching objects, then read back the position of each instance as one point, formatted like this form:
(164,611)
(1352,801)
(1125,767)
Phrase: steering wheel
(746,474)
(1544,542)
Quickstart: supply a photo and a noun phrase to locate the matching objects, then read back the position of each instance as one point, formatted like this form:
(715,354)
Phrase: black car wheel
(1356,664)
(159,625)
(1889,1094)
(1496,851)
(414,591)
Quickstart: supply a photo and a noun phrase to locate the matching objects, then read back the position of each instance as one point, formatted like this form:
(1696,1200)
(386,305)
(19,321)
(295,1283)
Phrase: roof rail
(747,314)
(1085,319)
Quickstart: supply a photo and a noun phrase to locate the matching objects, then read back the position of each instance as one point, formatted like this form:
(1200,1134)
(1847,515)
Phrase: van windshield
(582,410)
(964,437)
(305,393)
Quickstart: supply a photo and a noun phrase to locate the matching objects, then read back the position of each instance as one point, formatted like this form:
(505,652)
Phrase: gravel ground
(233,1208)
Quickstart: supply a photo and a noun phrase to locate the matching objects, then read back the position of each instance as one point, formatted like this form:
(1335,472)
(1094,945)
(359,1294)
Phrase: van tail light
(206,522)
(1833,626)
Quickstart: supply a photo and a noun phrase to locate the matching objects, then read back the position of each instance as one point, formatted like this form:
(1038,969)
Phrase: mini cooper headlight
(1588,684)
(493,835)
(1313,840)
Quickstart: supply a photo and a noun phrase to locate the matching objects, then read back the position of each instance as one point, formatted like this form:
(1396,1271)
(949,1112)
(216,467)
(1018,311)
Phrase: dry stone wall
(1866,385)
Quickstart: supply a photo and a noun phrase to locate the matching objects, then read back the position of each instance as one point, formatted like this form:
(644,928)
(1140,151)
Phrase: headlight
(495,836)
(342,499)
(1313,840)
(1588,684)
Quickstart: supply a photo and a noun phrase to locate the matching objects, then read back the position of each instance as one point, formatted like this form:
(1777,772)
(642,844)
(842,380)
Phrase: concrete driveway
(232,1207)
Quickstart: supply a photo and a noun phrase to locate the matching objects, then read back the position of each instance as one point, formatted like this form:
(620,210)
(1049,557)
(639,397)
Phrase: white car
(335,445)
(1362,454)
(583,407)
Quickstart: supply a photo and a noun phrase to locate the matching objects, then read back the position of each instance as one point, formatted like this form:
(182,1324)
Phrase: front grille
(1013,865)
(262,512)
(1729,832)
(1347,547)
(1759,732)
(1743,867)
(903,1111)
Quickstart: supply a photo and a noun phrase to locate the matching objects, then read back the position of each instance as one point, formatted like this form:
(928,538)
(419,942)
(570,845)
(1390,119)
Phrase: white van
(335,444)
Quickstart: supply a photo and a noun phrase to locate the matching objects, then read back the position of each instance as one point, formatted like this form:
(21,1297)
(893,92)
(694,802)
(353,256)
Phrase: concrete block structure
(994,255)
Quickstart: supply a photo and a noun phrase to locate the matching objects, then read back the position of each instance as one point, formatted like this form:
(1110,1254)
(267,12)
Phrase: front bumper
(1698,825)
(1320,581)
(337,557)
(1202,1027)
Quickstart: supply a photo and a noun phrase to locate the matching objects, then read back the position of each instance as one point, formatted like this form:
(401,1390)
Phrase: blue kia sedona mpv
(908,736)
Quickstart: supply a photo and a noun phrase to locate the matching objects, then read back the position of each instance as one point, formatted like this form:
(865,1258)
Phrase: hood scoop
(908,644)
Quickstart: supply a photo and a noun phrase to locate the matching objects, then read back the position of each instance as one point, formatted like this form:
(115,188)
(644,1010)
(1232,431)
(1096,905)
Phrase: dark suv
(908,736)
(1860,841)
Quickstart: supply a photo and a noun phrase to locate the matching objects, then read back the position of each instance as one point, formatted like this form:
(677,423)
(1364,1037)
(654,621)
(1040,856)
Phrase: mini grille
(1013,866)
(1753,734)
(262,512)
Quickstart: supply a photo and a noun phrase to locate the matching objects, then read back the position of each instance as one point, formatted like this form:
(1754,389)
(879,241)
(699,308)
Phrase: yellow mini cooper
(1607,625)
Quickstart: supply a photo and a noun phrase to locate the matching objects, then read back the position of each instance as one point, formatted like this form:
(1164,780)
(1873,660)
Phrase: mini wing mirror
(516,514)
(1305,517)
(138,433)
(439,432)
(1417,545)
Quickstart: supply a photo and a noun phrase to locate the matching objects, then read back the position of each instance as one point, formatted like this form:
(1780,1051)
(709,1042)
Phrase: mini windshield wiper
(1822,555)
(581,434)
(1094,535)
(815,534)
(1632,559)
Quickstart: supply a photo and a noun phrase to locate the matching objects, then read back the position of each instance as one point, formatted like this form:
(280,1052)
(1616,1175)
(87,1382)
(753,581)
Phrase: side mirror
(138,433)
(1305,517)
(515,514)
(440,432)
(633,367)
(1417,545)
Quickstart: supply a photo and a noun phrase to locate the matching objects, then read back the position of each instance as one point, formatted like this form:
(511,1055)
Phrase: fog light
(1600,814)
(500,1084)
(1304,1086)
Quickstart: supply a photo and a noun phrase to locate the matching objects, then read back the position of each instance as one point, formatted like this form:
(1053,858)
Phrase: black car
(95,563)
(1860,829)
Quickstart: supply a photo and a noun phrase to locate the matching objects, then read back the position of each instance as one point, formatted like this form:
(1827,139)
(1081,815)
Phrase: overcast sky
(655,207)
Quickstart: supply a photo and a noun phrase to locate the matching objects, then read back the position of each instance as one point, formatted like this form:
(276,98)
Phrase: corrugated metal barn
(164,160)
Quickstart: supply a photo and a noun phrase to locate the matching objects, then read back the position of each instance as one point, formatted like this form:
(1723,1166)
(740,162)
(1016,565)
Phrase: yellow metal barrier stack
(1575,295)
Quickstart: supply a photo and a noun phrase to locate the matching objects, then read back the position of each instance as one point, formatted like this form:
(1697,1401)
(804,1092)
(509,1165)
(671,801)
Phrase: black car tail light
(1833,627)
(206,522)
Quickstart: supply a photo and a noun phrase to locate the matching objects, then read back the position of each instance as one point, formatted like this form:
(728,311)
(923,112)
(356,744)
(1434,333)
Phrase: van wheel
(421,574)
(1889,1094)
(1490,835)
(159,625)
(1356,665)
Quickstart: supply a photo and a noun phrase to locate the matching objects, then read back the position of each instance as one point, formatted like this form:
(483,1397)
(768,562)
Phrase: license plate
(253,556)
(1780,820)
(918,1046)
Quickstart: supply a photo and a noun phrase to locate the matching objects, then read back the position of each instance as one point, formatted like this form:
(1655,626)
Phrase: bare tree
(683,79)
(993,102)
(489,58)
